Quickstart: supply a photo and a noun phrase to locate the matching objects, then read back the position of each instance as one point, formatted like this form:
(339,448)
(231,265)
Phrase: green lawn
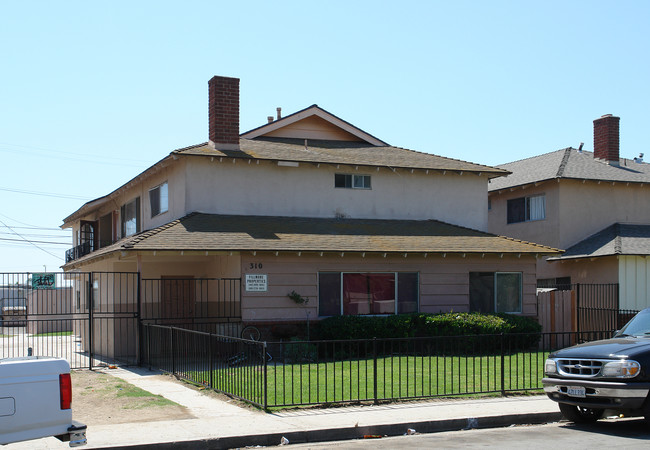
(54,333)
(397,378)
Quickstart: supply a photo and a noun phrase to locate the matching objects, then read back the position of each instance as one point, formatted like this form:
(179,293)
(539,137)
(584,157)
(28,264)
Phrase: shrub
(422,325)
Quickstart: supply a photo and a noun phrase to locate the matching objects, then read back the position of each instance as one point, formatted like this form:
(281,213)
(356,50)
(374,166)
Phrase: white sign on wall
(256,282)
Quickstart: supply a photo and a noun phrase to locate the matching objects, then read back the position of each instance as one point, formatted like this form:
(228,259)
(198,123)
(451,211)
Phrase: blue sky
(91,94)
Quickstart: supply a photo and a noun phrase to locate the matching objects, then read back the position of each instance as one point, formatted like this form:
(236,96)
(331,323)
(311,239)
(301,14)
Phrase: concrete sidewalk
(222,424)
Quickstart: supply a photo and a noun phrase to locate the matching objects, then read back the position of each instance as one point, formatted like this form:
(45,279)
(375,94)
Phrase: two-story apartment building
(596,205)
(312,204)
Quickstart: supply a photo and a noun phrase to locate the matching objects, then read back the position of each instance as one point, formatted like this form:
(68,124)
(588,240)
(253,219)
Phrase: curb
(349,433)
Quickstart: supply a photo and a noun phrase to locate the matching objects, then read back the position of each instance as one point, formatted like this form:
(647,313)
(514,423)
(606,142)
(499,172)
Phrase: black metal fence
(280,374)
(94,318)
(598,307)
(87,318)
(225,364)
(211,305)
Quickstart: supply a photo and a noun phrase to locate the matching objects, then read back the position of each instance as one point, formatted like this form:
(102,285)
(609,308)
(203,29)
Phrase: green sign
(43,281)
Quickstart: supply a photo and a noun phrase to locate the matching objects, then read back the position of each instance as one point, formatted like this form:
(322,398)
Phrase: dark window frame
(352,181)
(484,292)
(404,289)
(125,211)
(518,209)
(156,199)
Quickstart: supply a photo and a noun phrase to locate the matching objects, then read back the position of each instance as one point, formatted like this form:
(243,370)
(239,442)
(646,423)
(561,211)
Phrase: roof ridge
(533,157)
(529,243)
(563,164)
(618,242)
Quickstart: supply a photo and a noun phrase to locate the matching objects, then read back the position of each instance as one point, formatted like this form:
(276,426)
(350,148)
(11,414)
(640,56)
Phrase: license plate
(576,391)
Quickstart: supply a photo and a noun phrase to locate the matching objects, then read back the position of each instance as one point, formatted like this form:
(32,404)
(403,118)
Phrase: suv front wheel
(578,414)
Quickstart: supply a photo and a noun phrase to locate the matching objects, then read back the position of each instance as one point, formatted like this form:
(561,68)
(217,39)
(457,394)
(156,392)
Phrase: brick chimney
(223,112)
(606,139)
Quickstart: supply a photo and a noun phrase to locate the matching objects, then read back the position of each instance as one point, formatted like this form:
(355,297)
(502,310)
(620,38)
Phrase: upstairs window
(350,181)
(130,217)
(159,199)
(525,209)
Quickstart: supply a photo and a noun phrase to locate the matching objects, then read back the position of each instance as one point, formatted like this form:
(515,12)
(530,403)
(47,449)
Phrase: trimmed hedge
(422,325)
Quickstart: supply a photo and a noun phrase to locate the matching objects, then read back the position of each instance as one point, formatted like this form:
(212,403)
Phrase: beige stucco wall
(546,232)
(173,174)
(238,187)
(586,208)
(590,270)
(574,210)
(444,282)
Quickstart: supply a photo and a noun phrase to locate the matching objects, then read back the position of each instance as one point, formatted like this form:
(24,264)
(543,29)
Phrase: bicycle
(250,333)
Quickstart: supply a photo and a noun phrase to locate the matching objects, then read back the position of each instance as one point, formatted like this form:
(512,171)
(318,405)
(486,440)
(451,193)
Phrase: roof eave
(93,205)
(488,171)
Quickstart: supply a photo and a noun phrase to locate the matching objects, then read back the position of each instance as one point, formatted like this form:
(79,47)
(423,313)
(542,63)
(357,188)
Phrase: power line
(85,158)
(33,227)
(38,235)
(23,223)
(32,243)
(44,194)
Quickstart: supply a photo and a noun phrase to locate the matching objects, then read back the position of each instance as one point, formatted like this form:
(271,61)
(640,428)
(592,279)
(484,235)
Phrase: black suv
(611,374)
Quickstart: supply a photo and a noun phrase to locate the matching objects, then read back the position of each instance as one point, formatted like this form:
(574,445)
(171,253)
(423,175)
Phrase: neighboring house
(13,304)
(310,203)
(50,310)
(594,205)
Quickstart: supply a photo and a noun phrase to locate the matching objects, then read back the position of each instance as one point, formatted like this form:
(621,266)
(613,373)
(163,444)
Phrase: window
(524,209)
(130,217)
(159,199)
(367,293)
(351,181)
(495,292)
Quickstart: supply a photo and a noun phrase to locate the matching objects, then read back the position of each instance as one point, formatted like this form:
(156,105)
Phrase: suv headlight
(550,367)
(620,369)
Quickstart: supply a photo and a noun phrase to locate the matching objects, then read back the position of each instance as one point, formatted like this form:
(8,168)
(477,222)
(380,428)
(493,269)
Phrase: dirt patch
(101,399)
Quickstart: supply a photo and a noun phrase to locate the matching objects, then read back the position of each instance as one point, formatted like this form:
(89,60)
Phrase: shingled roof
(617,239)
(339,152)
(569,163)
(213,232)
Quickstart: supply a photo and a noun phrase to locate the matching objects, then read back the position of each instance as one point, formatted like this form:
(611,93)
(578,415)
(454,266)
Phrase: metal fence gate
(94,318)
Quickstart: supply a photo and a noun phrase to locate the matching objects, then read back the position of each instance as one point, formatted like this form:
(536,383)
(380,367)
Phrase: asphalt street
(618,433)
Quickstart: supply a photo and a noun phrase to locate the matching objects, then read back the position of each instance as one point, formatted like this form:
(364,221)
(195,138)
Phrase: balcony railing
(83,249)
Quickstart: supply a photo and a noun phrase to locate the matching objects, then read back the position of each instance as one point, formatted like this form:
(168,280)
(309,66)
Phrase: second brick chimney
(223,112)
(606,139)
